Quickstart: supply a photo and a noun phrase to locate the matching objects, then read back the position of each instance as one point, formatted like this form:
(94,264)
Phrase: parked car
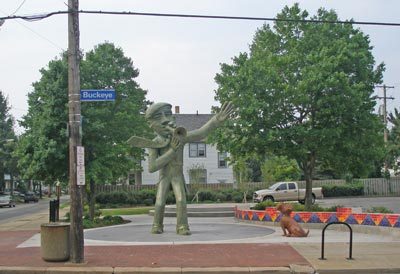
(30,197)
(6,200)
(286,191)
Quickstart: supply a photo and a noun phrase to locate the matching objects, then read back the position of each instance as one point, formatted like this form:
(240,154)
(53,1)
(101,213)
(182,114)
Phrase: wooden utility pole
(385,117)
(74,107)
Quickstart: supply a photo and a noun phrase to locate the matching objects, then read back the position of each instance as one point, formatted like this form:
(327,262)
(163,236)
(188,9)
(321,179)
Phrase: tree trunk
(308,177)
(308,171)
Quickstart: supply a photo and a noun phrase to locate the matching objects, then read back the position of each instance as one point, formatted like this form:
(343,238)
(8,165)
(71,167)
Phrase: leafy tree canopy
(304,91)
(105,125)
(7,139)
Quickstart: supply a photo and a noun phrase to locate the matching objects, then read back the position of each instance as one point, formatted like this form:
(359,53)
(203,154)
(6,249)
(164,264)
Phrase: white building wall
(214,174)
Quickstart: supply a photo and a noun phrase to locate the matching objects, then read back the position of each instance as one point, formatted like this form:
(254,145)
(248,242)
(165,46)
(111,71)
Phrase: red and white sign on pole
(80,166)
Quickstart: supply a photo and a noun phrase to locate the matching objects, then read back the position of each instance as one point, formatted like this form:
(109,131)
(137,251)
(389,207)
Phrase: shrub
(170,198)
(379,209)
(237,197)
(353,189)
(296,207)
(205,195)
(263,205)
(145,194)
(148,202)
(221,197)
(97,212)
(102,198)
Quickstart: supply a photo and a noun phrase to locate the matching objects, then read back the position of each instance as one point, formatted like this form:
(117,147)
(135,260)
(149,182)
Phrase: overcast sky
(177,57)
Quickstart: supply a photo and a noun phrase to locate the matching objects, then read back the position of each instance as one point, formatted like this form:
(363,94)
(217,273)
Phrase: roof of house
(192,121)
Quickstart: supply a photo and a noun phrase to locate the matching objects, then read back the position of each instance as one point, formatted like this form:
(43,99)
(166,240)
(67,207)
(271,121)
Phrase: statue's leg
(161,197)
(182,226)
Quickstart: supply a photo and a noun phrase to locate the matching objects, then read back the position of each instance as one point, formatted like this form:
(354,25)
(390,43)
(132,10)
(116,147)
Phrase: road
(366,203)
(21,209)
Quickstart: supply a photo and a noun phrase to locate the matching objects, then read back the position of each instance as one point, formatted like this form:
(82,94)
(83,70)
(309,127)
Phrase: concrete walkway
(217,245)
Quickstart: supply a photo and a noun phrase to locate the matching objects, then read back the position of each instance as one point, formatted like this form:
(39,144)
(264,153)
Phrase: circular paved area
(206,229)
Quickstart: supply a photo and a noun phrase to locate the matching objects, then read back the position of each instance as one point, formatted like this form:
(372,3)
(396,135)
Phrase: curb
(147,270)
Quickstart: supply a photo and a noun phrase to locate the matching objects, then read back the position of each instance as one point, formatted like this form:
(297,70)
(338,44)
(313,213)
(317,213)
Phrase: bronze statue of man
(166,155)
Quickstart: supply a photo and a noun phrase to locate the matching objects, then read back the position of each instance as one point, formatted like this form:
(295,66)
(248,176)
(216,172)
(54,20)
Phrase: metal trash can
(54,242)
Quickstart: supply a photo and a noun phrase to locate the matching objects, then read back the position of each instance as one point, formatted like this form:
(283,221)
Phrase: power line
(46,15)
(35,32)
(20,6)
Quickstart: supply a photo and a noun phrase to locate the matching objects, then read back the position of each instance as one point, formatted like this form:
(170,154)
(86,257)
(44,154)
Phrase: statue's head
(160,118)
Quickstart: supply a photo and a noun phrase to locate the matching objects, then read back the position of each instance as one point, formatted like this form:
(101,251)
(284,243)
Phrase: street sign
(80,156)
(80,175)
(80,165)
(98,95)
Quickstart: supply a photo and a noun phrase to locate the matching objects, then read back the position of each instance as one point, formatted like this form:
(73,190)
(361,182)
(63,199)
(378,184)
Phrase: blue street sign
(98,95)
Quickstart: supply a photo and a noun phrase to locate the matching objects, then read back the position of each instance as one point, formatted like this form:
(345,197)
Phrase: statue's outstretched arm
(198,134)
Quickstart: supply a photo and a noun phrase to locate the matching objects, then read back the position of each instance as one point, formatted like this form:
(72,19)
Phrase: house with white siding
(210,164)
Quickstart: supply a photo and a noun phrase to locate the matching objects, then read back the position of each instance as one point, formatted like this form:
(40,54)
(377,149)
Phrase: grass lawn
(126,211)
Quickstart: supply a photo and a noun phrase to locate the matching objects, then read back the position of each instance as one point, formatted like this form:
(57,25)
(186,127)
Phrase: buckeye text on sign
(98,95)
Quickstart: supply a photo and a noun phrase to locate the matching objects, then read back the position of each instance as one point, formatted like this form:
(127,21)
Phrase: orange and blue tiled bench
(270,214)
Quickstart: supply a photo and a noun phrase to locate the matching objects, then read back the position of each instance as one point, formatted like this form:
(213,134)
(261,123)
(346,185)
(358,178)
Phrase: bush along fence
(341,215)
(358,187)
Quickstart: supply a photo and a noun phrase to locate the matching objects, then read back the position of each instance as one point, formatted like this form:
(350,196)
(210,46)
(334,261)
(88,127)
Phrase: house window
(198,176)
(197,150)
(222,160)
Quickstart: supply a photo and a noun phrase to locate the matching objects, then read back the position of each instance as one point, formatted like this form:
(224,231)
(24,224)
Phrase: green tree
(43,147)
(105,125)
(7,137)
(305,92)
(280,168)
(393,145)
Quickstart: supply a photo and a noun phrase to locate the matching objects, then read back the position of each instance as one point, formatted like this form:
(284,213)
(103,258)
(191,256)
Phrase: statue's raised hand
(226,110)
(175,143)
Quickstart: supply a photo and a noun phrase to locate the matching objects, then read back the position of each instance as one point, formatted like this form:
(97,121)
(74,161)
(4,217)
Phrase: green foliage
(7,141)
(144,196)
(106,126)
(393,145)
(380,209)
(205,195)
(280,169)
(97,212)
(149,195)
(304,91)
(148,202)
(354,189)
(237,197)
(170,198)
(126,211)
(296,207)
(101,222)
(264,205)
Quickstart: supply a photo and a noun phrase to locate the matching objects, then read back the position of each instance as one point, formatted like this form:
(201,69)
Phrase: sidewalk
(215,246)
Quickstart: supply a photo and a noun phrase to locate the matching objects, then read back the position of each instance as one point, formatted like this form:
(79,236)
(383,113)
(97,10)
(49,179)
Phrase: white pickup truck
(285,191)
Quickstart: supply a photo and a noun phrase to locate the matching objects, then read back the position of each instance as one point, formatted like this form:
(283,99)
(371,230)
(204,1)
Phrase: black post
(54,211)
(323,240)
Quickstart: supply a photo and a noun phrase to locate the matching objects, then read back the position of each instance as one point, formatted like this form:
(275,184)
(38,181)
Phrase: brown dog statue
(289,226)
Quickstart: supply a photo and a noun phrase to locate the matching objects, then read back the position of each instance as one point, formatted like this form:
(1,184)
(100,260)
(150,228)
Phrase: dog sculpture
(289,226)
